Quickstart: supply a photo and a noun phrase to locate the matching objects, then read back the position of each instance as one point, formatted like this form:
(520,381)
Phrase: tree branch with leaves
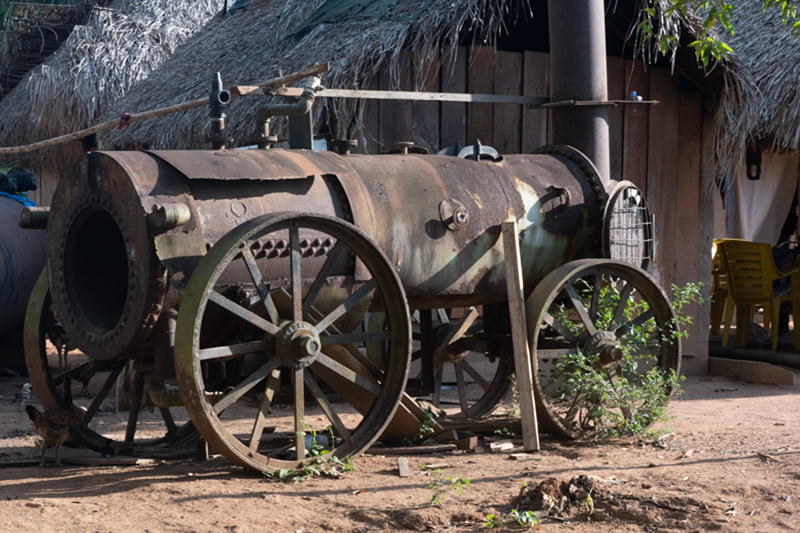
(660,21)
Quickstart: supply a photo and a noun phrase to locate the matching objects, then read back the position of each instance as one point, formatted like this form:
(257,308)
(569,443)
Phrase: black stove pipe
(578,72)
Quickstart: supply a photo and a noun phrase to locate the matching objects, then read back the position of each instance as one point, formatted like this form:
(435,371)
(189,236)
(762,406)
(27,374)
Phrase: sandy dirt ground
(728,460)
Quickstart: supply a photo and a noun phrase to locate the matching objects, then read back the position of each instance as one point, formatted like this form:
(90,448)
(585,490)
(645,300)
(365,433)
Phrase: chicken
(64,423)
(22,396)
(54,426)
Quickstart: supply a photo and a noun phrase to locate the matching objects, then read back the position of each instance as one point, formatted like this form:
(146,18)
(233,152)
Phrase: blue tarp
(21,199)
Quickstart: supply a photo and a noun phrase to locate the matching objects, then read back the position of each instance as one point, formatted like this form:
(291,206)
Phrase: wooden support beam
(519,335)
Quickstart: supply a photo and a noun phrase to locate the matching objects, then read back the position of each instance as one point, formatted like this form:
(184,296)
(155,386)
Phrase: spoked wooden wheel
(468,372)
(471,374)
(156,435)
(605,351)
(273,312)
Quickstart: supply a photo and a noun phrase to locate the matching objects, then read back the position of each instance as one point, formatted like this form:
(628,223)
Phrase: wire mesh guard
(628,226)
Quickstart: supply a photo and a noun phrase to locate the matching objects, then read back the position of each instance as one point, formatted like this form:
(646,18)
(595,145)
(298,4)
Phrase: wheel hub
(298,344)
(604,344)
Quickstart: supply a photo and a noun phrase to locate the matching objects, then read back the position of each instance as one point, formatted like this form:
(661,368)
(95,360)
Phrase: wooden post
(519,335)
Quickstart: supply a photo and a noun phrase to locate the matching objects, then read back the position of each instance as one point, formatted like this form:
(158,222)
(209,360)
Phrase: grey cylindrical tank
(22,257)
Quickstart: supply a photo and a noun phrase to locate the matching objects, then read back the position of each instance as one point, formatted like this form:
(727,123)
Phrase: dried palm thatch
(762,99)
(97,64)
(90,79)
(261,43)
(759,99)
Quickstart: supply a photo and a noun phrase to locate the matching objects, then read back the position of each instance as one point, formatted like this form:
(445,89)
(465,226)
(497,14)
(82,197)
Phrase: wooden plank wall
(510,128)
(658,147)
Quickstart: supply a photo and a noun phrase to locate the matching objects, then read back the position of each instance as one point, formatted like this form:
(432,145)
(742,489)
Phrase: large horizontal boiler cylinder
(124,239)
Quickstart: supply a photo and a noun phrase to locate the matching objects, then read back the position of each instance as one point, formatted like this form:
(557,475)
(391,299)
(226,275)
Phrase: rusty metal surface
(22,258)
(442,263)
(436,217)
(106,282)
(273,164)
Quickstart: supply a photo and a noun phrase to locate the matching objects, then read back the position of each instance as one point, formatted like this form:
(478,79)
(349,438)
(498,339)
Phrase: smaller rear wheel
(605,351)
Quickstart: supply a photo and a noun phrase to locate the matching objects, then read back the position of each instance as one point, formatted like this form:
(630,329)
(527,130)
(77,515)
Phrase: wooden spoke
(438,374)
(561,329)
(226,352)
(297,274)
(273,382)
(578,305)
(354,338)
(474,374)
(244,387)
(243,313)
(136,405)
(104,390)
(348,374)
(314,314)
(638,321)
(313,291)
(554,385)
(621,305)
(168,420)
(323,402)
(298,390)
(345,306)
(261,285)
(462,389)
(596,286)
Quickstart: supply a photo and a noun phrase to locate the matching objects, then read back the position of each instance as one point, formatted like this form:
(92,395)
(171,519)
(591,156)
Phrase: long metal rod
(409,95)
(369,94)
(290,78)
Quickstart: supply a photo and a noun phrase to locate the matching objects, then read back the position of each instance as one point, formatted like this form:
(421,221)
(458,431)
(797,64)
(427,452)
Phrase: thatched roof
(97,65)
(91,78)
(763,100)
(268,39)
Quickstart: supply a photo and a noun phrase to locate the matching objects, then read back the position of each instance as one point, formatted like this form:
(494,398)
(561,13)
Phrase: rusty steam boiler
(246,286)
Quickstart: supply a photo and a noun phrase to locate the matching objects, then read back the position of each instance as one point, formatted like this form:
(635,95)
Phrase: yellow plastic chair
(719,287)
(751,272)
(719,284)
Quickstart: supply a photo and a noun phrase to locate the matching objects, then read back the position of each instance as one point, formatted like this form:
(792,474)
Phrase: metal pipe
(218,101)
(295,109)
(578,72)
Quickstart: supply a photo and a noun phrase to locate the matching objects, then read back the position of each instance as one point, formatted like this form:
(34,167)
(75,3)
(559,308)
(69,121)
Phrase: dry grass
(151,54)
(266,47)
(97,65)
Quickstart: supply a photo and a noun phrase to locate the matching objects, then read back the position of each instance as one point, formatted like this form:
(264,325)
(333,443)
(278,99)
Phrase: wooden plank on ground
(454,116)
(636,127)
(616,91)
(536,76)
(662,172)
(426,114)
(519,335)
(396,117)
(507,128)
(751,371)
(480,79)
(686,263)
